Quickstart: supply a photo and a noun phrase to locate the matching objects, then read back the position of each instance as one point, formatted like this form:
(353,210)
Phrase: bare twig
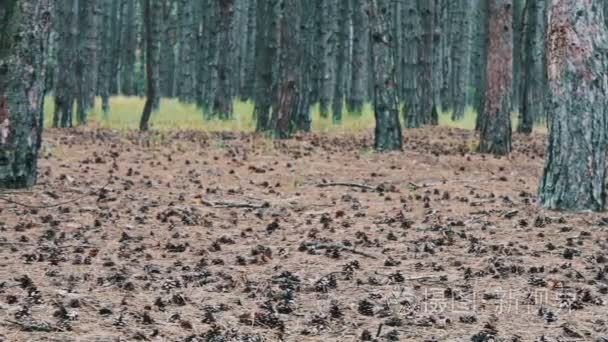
(321,245)
(352,185)
(226,204)
(8,200)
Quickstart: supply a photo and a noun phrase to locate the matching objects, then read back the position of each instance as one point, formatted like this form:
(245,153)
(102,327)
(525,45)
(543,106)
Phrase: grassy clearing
(172,114)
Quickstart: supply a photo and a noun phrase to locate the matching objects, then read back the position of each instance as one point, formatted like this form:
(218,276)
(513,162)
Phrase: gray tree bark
(152,23)
(534,71)
(222,101)
(388,135)
(24,36)
(495,133)
(574,177)
(359,60)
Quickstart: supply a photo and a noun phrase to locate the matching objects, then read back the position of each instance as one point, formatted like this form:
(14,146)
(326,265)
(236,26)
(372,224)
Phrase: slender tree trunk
(87,62)
(411,30)
(359,67)
(388,134)
(105,54)
(479,53)
(266,47)
(129,47)
(24,36)
(426,111)
(152,23)
(328,52)
(534,72)
(222,102)
(495,134)
(340,64)
(186,81)
(289,68)
(518,11)
(167,55)
(459,56)
(574,177)
(250,52)
(65,87)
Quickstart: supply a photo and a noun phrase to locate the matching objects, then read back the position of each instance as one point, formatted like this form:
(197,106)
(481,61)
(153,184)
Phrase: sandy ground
(193,237)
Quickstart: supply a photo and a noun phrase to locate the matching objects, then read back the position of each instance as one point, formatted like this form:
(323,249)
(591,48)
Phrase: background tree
(388,134)
(24,36)
(222,100)
(359,60)
(152,19)
(574,177)
(495,123)
(534,69)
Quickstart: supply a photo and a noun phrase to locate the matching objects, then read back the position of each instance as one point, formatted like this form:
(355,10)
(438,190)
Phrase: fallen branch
(8,200)
(225,204)
(321,245)
(352,185)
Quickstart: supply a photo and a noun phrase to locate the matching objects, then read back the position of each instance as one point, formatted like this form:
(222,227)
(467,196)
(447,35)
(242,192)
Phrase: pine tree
(388,134)
(495,132)
(24,36)
(574,177)
(534,72)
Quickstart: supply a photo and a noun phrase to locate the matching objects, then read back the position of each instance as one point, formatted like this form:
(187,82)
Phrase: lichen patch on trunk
(4,119)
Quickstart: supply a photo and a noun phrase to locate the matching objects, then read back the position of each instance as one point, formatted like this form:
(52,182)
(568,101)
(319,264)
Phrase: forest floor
(190,236)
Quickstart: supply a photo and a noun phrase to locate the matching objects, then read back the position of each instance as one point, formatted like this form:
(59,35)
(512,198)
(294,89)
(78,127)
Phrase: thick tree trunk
(360,61)
(388,135)
(534,70)
(249,57)
(222,101)
(152,23)
(23,41)
(575,171)
(495,133)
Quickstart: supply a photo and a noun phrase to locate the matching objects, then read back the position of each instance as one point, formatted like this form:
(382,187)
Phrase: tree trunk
(388,135)
(411,22)
(266,46)
(289,68)
(65,87)
(340,64)
(534,72)
(327,48)
(459,17)
(87,62)
(575,170)
(425,112)
(186,82)
(479,53)
(222,102)
(518,11)
(359,67)
(129,47)
(152,23)
(495,133)
(24,35)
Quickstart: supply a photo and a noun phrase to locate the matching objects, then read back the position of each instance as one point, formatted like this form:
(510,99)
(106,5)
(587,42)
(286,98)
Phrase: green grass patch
(125,113)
